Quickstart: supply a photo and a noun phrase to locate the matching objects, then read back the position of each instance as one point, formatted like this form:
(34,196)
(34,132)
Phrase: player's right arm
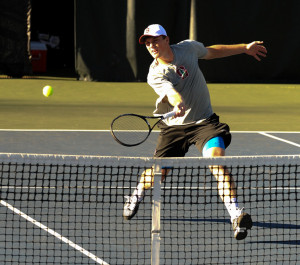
(176,100)
(167,93)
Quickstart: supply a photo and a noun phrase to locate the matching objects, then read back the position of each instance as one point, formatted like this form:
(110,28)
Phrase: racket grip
(169,114)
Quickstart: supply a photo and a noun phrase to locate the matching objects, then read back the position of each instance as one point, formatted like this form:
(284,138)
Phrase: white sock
(139,192)
(232,207)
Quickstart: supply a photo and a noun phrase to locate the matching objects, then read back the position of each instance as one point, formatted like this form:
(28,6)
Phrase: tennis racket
(133,129)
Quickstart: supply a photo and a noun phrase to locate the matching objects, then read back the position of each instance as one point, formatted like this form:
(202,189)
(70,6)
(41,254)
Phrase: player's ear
(167,39)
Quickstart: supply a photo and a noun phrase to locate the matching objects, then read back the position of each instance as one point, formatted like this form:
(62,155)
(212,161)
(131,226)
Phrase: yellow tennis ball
(47,91)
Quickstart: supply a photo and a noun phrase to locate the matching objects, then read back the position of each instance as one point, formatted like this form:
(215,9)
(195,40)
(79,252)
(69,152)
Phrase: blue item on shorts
(214,142)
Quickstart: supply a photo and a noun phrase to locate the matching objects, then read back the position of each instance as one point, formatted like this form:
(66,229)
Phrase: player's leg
(226,186)
(146,182)
(171,143)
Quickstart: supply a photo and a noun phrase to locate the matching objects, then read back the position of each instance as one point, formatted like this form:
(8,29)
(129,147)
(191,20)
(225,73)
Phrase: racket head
(130,129)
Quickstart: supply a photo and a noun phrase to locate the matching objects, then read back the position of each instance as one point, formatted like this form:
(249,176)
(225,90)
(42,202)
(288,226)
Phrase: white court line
(52,232)
(155,130)
(279,132)
(50,130)
(279,139)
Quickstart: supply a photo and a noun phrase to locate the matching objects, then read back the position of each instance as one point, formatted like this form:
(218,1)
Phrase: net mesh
(68,210)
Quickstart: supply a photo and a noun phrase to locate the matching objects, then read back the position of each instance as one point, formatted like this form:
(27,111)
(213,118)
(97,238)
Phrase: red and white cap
(154,30)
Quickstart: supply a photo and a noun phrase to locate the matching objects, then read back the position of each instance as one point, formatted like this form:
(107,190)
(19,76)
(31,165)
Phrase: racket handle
(168,115)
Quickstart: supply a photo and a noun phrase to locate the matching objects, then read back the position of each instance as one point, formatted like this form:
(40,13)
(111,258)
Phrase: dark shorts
(174,141)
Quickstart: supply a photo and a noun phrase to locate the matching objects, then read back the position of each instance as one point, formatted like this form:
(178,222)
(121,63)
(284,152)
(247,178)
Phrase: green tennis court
(92,105)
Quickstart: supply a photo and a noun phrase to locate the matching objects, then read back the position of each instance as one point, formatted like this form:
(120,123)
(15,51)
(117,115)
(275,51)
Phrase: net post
(156,200)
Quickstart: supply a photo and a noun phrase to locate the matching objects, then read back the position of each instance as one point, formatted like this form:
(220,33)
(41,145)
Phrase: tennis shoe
(240,224)
(131,206)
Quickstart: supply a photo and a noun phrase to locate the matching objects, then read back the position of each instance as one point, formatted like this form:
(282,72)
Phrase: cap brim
(143,37)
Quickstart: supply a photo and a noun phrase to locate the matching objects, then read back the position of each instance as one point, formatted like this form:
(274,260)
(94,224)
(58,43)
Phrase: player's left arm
(255,49)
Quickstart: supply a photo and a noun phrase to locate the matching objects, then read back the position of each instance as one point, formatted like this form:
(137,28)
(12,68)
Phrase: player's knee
(214,147)
(218,171)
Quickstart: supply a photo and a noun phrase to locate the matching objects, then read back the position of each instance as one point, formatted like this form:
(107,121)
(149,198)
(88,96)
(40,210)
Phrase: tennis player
(177,79)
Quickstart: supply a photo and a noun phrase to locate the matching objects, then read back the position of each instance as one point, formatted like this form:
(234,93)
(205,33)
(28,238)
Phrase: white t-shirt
(185,76)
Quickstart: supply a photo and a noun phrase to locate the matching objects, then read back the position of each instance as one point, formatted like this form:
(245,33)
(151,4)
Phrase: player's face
(157,46)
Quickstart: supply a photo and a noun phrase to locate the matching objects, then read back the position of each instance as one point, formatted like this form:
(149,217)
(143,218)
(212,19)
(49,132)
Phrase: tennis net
(58,209)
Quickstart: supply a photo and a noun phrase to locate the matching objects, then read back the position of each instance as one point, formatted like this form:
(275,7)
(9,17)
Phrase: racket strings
(130,129)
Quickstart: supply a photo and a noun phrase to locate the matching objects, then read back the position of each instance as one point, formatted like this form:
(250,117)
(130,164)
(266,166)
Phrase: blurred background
(97,40)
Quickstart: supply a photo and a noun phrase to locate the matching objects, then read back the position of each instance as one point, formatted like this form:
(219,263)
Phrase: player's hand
(256,49)
(180,110)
